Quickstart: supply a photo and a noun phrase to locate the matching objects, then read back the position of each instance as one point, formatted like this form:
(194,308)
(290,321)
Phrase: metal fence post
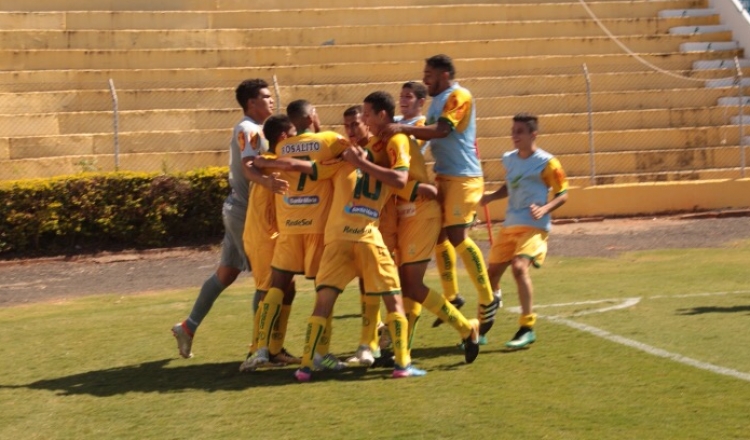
(741,111)
(277,93)
(592,162)
(116,123)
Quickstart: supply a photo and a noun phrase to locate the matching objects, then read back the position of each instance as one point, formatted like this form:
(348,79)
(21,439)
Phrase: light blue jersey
(455,154)
(529,181)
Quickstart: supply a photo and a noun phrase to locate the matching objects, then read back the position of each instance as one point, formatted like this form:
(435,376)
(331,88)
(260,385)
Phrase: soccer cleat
(184,340)
(387,360)
(284,358)
(524,337)
(482,340)
(303,374)
(471,343)
(327,362)
(457,302)
(363,357)
(408,371)
(258,359)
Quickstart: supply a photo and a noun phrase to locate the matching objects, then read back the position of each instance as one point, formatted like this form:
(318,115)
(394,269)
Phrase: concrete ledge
(343,73)
(45,38)
(647,199)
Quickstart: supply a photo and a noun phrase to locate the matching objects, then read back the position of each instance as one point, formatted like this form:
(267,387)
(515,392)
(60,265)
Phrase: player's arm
(439,130)
(284,164)
(394,177)
(555,178)
(253,174)
(501,193)
(415,188)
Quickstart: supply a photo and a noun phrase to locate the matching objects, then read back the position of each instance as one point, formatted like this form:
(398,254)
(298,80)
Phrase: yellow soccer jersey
(304,208)
(358,199)
(260,220)
(409,204)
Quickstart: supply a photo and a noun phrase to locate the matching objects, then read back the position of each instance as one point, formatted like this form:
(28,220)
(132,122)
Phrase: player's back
(304,208)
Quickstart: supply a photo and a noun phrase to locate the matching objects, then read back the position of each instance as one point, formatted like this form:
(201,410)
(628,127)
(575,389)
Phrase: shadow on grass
(159,377)
(713,309)
(166,376)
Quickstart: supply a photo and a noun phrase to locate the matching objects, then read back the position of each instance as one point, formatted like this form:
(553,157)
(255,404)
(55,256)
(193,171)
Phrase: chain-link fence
(607,124)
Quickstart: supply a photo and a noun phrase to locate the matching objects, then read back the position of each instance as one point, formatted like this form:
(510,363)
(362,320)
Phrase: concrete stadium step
(619,120)
(635,178)
(223,97)
(572,116)
(651,161)
(270,56)
(619,140)
(37,146)
(654,166)
(341,73)
(182,141)
(343,34)
(150,162)
(218,5)
(387,15)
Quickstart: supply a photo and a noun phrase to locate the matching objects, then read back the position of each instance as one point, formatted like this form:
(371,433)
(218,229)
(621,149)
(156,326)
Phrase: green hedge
(104,210)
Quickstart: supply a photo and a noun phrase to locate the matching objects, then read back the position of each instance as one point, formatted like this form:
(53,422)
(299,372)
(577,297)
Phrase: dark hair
(381,101)
(443,63)
(249,89)
(529,119)
(273,128)
(298,109)
(419,89)
(353,111)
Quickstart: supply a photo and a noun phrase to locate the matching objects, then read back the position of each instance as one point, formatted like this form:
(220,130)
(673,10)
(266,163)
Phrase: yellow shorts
(459,198)
(389,224)
(298,254)
(418,229)
(345,260)
(519,241)
(260,250)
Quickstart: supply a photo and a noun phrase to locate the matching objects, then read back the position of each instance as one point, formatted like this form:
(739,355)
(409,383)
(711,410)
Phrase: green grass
(106,366)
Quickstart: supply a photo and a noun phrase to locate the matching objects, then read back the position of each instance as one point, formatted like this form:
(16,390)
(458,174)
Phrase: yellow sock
(370,321)
(473,260)
(270,312)
(445,256)
(527,320)
(324,345)
(256,328)
(398,326)
(437,304)
(316,326)
(278,333)
(413,310)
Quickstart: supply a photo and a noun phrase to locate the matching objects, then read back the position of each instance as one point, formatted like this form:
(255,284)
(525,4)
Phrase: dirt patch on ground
(130,272)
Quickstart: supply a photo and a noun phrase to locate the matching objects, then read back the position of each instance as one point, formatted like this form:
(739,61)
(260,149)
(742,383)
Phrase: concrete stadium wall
(646,199)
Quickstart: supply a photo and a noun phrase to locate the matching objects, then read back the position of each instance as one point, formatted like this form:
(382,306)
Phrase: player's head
(438,73)
(378,111)
(412,98)
(525,129)
(355,127)
(255,99)
(276,129)
(303,116)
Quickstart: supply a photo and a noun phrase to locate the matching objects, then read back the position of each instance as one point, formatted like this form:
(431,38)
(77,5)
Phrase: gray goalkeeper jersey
(247,141)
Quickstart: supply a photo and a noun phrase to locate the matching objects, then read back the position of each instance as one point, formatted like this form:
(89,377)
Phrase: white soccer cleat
(258,359)
(363,357)
(184,340)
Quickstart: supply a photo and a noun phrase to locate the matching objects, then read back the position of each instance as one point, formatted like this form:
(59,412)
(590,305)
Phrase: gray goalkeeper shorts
(232,248)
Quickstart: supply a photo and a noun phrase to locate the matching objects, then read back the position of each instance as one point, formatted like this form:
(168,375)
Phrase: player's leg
(412,283)
(233,261)
(335,272)
(531,251)
(445,258)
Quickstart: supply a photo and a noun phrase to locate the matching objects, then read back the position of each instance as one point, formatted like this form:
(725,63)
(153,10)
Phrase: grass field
(652,345)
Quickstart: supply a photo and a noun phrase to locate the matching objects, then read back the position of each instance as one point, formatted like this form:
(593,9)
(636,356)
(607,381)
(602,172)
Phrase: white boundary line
(628,302)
